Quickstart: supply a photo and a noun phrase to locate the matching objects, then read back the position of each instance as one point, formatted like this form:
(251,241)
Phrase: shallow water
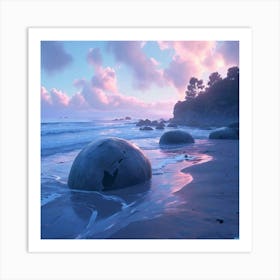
(69,213)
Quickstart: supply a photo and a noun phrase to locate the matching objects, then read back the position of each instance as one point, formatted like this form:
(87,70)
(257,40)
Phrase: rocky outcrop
(160,126)
(216,105)
(145,122)
(172,125)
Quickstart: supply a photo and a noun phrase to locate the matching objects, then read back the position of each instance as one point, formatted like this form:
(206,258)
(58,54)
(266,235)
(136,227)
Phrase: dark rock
(144,122)
(154,123)
(176,137)
(140,123)
(172,125)
(160,126)
(221,221)
(109,164)
(128,118)
(225,133)
(218,105)
(146,128)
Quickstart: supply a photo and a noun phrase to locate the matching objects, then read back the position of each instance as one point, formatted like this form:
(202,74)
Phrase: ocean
(76,214)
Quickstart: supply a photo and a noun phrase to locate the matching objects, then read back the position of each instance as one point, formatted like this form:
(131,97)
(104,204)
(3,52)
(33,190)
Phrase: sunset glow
(81,79)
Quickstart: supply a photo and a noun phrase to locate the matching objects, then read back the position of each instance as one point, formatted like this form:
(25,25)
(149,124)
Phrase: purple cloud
(54,57)
(101,92)
(145,71)
(191,58)
(178,73)
(94,96)
(94,57)
(55,98)
(230,51)
(78,101)
(197,58)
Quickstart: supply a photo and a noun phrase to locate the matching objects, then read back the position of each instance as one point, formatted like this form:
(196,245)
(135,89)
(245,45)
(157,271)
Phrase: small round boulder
(176,137)
(146,128)
(109,164)
(172,125)
(160,126)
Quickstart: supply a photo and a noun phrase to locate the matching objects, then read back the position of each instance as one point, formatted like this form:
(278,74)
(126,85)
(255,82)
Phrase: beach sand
(211,208)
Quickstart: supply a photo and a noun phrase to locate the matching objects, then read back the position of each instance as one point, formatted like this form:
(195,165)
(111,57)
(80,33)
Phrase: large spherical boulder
(225,133)
(109,164)
(176,137)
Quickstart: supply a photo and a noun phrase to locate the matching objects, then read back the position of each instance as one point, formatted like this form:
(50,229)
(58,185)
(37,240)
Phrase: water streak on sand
(160,199)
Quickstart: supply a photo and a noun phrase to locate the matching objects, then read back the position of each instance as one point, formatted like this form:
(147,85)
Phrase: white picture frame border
(243,242)
(262,262)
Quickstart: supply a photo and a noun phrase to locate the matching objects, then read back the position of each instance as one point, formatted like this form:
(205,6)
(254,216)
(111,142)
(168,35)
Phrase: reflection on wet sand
(90,214)
(147,201)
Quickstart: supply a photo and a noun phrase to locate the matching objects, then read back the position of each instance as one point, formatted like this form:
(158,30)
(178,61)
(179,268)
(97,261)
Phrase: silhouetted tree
(214,78)
(194,88)
(219,102)
(233,73)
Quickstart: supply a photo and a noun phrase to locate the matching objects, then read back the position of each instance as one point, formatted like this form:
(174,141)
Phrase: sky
(115,79)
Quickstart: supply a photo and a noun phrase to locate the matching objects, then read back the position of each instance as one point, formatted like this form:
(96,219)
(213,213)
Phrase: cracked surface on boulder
(108,164)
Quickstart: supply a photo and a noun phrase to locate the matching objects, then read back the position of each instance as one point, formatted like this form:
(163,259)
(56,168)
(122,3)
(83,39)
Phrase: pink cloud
(194,50)
(217,61)
(154,61)
(144,69)
(59,98)
(94,96)
(196,58)
(91,100)
(189,60)
(78,101)
(137,108)
(54,98)
(101,93)
(163,45)
(179,72)
(105,79)
(54,102)
(122,101)
(45,96)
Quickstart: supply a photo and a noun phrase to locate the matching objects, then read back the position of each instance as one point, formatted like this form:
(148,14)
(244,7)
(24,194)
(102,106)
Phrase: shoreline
(211,209)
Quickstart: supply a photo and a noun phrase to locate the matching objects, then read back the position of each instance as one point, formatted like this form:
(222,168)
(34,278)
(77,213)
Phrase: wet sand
(211,208)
